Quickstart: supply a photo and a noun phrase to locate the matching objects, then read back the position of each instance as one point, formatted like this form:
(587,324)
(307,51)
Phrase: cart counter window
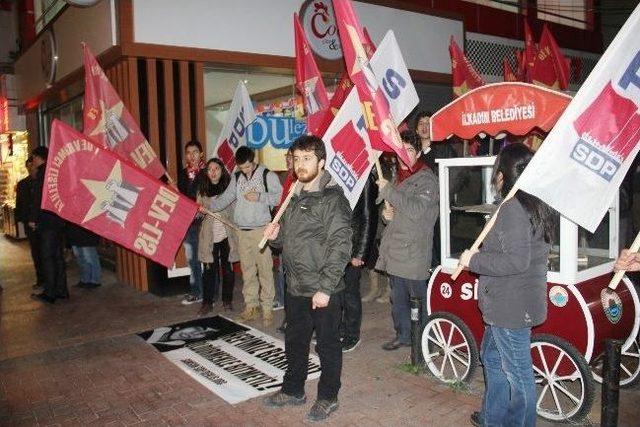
(467,201)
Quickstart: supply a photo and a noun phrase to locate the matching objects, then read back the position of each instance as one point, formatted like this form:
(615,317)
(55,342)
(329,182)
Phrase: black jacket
(364,221)
(23,199)
(186,186)
(439,150)
(315,238)
(42,218)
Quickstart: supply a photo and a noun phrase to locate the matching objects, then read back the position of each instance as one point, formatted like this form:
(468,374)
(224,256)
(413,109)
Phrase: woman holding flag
(512,265)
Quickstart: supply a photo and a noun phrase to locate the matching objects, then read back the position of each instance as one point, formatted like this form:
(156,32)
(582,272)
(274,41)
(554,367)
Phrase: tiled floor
(78,362)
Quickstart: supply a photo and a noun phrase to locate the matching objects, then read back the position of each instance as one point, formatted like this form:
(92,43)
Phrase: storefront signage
(280,132)
(320,27)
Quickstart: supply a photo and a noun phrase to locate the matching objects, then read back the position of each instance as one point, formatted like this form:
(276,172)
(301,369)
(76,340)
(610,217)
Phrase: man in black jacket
(49,229)
(315,237)
(364,222)
(24,198)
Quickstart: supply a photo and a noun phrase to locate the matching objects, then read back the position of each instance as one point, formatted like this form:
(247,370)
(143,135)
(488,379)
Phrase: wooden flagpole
(220,218)
(280,212)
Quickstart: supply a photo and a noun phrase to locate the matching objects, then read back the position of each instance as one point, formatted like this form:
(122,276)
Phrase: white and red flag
(381,125)
(234,133)
(108,122)
(309,81)
(583,160)
(102,192)
(349,154)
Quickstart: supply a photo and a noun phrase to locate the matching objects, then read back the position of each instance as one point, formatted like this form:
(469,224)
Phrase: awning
(513,107)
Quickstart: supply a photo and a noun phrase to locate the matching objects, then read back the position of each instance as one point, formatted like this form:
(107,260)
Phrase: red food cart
(566,349)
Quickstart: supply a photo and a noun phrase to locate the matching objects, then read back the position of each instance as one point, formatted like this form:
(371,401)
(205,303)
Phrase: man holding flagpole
(315,237)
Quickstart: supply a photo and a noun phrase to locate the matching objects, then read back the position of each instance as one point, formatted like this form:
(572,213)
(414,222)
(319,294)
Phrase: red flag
(530,51)
(507,71)
(465,77)
(382,130)
(108,122)
(98,190)
(368,44)
(522,66)
(342,90)
(549,53)
(309,81)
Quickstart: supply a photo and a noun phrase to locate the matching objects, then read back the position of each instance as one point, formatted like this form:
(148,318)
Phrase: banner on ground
(108,122)
(279,132)
(349,154)
(234,132)
(584,158)
(96,189)
(235,362)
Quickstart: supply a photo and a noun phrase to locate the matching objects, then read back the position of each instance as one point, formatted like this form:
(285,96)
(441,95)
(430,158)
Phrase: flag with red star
(108,122)
(95,188)
(464,75)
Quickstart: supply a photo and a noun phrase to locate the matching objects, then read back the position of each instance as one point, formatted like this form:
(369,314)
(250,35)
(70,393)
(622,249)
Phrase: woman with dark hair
(217,242)
(512,265)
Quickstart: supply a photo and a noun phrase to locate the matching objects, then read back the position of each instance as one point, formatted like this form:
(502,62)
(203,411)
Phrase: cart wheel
(449,349)
(629,366)
(564,383)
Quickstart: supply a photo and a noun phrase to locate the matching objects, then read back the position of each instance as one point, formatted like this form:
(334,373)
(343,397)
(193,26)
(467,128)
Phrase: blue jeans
(191,251)
(402,290)
(510,392)
(88,263)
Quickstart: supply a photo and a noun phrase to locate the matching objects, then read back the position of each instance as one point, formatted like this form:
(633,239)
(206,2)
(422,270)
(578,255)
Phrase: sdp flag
(583,160)
(234,133)
(108,122)
(349,154)
(393,77)
(96,189)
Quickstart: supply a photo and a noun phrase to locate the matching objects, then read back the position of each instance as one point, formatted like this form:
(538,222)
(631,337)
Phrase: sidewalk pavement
(78,362)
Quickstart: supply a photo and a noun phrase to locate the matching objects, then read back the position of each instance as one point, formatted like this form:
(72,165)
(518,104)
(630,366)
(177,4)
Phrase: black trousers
(351,303)
(52,258)
(211,275)
(301,322)
(34,244)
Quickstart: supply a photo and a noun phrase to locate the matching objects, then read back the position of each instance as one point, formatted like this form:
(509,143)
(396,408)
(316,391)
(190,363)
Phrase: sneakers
(394,344)
(191,299)
(249,314)
(476,419)
(277,305)
(349,344)
(280,399)
(227,306)
(267,317)
(322,409)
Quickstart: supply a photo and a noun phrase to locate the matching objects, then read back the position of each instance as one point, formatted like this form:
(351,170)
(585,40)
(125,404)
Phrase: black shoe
(394,345)
(282,327)
(80,284)
(280,399)
(64,295)
(91,285)
(36,286)
(476,419)
(322,409)
(44,298)
(350,344)
(228,306)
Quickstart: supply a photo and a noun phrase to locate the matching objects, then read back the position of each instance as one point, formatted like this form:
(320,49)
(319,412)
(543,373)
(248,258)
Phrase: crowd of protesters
(321,249)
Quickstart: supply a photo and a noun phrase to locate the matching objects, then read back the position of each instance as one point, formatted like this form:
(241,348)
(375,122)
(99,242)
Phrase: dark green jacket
(315,238)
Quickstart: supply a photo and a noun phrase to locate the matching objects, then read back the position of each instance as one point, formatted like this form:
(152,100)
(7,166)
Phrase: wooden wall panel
(185,104)
(201,133)
(170,120)
(152,105)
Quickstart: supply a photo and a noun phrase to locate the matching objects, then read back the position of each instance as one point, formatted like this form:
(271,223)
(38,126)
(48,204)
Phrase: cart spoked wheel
(629,365)
(564,383)
(449,349)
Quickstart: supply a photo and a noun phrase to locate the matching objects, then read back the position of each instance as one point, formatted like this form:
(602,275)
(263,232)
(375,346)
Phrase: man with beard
(315,237)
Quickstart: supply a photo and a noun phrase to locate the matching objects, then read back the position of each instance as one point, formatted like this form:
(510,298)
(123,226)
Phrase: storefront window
(271,94)
(70,112)
(45,11)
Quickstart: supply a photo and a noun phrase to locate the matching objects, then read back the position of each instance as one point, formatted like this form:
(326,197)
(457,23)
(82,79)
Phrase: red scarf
(403,174)
(192,172)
